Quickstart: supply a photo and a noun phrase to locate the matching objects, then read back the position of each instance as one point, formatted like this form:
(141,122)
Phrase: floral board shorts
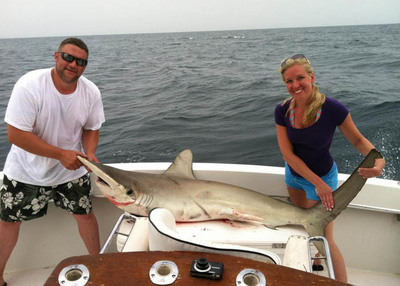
(22,202)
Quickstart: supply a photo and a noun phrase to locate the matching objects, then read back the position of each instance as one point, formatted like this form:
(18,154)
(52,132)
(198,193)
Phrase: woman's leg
(298,198)
(337,258)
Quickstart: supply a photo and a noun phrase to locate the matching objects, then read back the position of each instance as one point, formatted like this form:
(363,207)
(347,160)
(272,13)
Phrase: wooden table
(132,268)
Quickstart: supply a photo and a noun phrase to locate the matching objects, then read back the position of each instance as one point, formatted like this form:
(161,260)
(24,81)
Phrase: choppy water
(215,92)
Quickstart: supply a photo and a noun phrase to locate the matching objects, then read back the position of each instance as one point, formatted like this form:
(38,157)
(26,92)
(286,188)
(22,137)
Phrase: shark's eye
(130,192)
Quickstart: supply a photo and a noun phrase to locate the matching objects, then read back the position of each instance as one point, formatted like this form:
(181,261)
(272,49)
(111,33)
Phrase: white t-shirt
(36,106)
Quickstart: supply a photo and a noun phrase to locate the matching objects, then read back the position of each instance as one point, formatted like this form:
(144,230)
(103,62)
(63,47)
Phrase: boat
(366,231)
(176,268)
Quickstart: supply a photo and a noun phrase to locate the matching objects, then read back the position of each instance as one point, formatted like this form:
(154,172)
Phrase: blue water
(215,92)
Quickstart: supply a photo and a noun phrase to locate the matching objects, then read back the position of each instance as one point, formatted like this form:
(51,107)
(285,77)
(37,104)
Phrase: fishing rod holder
(74,275)
(250,277)
(163,272)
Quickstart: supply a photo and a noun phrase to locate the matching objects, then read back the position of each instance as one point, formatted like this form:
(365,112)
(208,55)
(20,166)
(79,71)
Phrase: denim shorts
(22,202)
(299,183)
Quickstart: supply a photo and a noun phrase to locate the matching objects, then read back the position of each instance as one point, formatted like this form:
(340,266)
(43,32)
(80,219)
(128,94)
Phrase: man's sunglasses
(70,58)
(295,57)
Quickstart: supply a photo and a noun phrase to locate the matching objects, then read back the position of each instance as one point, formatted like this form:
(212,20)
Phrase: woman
(305,125)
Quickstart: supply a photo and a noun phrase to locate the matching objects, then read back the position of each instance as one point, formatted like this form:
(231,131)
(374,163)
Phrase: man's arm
(90,140)
(33,144)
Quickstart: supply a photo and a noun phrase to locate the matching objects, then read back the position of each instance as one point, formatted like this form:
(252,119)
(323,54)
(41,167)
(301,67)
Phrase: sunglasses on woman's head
(295,57)
(70,58)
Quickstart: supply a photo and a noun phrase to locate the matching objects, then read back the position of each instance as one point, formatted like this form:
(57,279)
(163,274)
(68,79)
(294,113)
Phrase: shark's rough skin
(190,199)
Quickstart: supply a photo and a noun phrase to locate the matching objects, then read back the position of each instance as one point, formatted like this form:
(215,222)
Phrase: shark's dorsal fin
(182,166)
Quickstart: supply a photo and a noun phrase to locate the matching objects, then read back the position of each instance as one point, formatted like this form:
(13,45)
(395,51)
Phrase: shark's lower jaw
(119,204)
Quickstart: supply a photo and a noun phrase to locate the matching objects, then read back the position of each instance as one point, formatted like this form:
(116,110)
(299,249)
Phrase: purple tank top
(312,144)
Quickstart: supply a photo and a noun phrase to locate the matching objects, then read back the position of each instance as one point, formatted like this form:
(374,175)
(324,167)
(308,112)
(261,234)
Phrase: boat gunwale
(390,187)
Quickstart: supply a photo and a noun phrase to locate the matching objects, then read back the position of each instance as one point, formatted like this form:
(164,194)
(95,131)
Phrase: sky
(46,18)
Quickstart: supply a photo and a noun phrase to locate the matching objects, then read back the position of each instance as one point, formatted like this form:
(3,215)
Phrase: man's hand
(69,159)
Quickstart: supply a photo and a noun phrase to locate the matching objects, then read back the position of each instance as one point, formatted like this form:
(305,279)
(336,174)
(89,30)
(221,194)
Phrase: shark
(190,199)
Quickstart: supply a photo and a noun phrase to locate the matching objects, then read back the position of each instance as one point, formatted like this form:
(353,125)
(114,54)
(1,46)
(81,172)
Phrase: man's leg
(8,239)
(75,197)
(89,231)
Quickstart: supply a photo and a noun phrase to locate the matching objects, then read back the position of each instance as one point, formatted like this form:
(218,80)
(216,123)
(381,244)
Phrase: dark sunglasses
(70,58)
(295,57)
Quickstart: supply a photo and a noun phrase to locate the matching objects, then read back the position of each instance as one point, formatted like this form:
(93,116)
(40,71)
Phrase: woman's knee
(299,198)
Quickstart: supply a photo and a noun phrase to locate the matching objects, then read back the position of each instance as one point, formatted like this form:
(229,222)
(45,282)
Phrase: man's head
(76,42)
(71,60)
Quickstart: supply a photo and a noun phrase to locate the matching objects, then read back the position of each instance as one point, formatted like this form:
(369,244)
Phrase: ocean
(215,92)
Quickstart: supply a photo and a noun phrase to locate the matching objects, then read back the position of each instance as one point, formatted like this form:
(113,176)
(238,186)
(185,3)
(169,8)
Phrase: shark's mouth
(101,181)
(112,199)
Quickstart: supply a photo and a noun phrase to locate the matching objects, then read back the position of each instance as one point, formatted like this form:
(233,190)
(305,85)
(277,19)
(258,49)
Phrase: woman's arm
(363,145)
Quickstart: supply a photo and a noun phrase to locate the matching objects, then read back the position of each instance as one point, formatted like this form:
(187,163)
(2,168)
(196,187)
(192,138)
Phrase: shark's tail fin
(319,217)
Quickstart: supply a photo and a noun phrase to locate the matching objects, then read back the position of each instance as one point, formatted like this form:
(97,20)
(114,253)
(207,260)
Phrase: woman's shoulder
(280,111)
(335,108)
(332,102)
(284,105)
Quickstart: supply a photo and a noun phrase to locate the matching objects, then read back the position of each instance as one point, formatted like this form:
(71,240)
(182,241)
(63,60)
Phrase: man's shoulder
(87,83)
(34,76)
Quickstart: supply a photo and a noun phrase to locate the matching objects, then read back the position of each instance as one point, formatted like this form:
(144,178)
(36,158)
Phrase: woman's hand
(376,170)
(325,193)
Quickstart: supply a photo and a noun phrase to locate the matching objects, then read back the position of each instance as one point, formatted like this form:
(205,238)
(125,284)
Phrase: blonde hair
(317,98)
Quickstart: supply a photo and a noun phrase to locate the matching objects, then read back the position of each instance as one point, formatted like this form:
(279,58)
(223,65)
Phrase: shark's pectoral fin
(270,226)
(234,214)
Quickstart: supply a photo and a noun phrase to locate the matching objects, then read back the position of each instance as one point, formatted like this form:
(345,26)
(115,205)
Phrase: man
(53,115)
